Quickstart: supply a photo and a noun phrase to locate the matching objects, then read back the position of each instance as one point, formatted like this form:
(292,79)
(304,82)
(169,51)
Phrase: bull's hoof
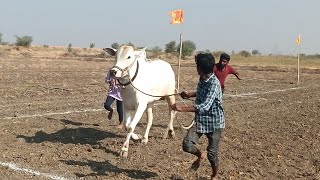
(136,137)
(171,134)
(144,141)
(124,152)
(165,135)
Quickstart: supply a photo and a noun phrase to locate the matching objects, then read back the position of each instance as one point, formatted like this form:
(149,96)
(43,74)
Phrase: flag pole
(179,62)
(298,65)
(177,18)
(298,60)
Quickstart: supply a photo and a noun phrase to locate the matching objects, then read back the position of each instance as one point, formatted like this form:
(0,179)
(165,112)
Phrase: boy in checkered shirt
(209,114)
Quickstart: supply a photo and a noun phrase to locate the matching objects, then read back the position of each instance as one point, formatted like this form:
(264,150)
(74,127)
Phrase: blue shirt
(209,114)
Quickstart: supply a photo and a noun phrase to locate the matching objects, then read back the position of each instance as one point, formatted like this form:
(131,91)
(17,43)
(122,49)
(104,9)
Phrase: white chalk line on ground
(56,113)
(62,113)
(15,167)
(156,104)
(266,92)
(258,79)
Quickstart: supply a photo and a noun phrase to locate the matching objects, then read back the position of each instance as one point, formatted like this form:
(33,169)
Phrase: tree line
(172,47)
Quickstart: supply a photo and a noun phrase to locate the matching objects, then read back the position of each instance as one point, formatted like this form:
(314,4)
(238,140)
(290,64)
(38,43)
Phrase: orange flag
(298,40)
(177,16)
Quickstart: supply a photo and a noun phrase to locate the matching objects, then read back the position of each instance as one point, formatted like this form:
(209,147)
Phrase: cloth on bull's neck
(133,78)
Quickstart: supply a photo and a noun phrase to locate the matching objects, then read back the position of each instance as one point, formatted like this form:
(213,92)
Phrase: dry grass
(259,61)
(279,61)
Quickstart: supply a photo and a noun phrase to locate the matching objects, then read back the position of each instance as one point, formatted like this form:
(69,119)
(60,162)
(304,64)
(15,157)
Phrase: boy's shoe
(110,114)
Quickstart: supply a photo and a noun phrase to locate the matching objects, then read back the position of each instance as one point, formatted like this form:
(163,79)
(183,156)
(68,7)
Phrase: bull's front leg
(125,148)
(127,118)
(149,123)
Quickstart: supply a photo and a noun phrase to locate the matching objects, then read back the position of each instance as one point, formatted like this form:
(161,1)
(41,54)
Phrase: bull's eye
(129,57)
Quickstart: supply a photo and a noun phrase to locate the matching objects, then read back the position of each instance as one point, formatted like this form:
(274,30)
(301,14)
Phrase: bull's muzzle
(113,72)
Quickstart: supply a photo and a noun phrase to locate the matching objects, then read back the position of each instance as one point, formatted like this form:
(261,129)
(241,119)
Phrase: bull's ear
(110,51)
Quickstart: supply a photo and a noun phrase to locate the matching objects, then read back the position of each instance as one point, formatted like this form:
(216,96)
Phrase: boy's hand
(184,95)
(112,83)
(176,107)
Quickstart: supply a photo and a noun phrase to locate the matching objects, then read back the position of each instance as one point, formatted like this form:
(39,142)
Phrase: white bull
(143,82)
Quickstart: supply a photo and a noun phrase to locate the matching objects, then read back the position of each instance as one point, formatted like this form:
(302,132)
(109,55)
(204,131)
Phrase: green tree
(115,45)
(170,47)
(188,48)
(92,45)
(1,38)
(24,41)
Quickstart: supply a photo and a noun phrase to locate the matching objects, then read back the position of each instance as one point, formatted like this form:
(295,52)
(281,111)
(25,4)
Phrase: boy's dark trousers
(192,138)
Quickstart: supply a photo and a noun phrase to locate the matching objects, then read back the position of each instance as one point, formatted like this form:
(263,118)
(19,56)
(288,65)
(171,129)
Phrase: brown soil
(53,121)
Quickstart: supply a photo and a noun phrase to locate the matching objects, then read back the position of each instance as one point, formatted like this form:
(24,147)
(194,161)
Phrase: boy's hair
(224,56)
(205,61)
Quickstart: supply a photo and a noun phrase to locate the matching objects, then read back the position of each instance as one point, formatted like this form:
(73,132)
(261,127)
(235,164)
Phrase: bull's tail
(188,127)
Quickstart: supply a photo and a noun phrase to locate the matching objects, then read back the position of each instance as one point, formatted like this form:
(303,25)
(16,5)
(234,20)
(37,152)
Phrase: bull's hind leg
(149,123)
(169,131)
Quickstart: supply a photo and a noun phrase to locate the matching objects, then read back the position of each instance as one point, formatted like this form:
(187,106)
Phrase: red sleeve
(232,70)
(215,68)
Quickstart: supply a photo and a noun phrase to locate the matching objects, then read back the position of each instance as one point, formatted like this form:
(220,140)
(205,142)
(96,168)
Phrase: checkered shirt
(209,114)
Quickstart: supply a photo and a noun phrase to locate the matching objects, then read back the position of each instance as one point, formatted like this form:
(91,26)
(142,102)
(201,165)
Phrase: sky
(270,26)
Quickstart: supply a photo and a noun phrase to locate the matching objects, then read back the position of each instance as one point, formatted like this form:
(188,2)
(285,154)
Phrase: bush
(115,45)
(69,47)
(156,51)
(255,52)
(24,41)
(102,55)
(170,47)
(1,42)
(92,45)
(130,44)
(45,46)
(217,54)
(5,43)
(244,53)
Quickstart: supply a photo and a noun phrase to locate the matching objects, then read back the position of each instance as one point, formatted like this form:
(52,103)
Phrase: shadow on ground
(103,168)
(77,135)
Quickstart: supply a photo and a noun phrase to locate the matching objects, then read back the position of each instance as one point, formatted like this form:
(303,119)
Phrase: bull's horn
(188,127)
(144,49)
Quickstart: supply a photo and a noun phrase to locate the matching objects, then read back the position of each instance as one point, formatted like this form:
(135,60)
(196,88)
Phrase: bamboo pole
(298,66)
(179,62)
